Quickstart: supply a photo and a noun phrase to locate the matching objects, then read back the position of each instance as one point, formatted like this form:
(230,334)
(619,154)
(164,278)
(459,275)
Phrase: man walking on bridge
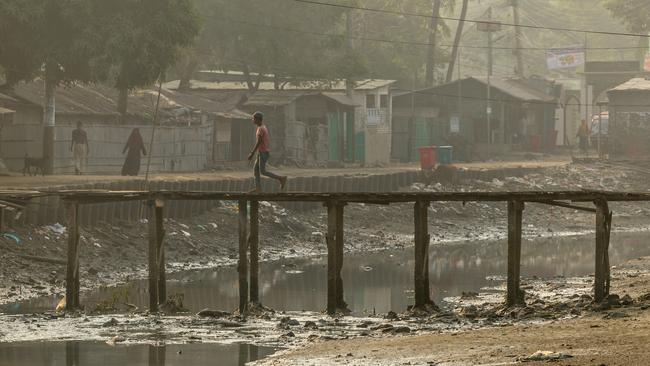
(262,146)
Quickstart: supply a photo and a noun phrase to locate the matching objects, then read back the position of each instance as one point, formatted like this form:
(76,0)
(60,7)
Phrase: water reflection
(74,353)
(379,281)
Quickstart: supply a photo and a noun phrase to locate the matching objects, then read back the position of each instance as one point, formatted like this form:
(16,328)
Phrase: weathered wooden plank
(603,229)
(152,252)
(515,216)
(340,302)
(566,205)
(253,243)
(242,266)
(72,271)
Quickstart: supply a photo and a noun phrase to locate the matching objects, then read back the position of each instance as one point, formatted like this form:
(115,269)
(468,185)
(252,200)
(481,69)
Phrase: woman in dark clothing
(134,145)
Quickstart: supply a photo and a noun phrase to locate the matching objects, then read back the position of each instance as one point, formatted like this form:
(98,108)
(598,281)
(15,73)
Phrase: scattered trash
(366,268)
(547,356)
(61,305)
(57,228)
(186,234)
(13,237)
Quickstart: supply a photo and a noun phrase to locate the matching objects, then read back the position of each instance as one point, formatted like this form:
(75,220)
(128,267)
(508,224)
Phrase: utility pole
(489,27)
(349,88)
(433,29)
(518,36)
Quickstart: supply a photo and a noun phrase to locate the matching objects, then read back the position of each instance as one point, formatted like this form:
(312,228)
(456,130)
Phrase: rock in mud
(310,325)
(208,313)
(547,356)
(391,315)
(111,323)
(287,321)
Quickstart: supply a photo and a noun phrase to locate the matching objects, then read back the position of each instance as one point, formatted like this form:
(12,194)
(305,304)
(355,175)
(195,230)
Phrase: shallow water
(374,282)
(75,353)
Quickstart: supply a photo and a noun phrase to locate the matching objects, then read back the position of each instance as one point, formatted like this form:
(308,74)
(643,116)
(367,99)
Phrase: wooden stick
(242,266)
(253,243)
(153,257)
(160,241)
(515,216)
(567,205)
(72,272)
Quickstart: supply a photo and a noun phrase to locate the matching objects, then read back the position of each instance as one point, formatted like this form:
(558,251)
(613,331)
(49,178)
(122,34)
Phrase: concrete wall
(181,149)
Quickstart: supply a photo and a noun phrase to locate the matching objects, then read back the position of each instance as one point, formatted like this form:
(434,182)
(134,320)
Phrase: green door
(334,136)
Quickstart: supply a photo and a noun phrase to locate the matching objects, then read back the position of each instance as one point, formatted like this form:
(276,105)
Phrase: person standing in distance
(79,149)
(262,146)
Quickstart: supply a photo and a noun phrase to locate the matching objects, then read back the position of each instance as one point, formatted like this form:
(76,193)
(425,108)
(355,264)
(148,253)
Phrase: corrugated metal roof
(368,84)
(341,99)
(517,89)
(635,84)
(263,98)
(4,111)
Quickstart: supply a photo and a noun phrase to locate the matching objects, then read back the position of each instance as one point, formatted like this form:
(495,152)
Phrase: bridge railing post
(515,296)
(334,239)
(152,252)
(160,241)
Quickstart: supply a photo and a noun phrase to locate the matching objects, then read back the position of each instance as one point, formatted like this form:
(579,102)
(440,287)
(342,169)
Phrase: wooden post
(515,215)
(340,302)
(72,274)
(153,257)
(253,243)
(160,241)
(421,268)
(2,218)
(603,229)
(242,266)
(333,271)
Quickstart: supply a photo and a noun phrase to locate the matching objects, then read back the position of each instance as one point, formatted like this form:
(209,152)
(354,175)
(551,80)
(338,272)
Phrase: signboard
(565,58)
(454,124)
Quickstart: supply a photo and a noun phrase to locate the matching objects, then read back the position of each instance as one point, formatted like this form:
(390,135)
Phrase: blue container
(445,155)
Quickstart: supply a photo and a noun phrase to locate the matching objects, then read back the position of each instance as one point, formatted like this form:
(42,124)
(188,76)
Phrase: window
(383,101)
(370,101)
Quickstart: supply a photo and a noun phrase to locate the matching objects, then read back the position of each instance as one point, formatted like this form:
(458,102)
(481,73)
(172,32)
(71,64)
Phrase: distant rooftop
(635,84)
(368,84)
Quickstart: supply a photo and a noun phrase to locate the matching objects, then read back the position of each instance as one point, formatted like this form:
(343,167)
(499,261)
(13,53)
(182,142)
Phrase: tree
(457,38)
(634,14)
(144,39)
(433,33)
(281,38)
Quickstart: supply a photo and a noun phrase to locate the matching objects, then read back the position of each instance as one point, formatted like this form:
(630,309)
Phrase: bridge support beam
(72,271)
(602,270)
(242,265)
(515,295)
(334,240)
(253,244)
(421,269)
(160,244)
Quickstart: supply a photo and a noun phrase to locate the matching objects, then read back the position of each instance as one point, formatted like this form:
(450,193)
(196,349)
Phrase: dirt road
(20,181)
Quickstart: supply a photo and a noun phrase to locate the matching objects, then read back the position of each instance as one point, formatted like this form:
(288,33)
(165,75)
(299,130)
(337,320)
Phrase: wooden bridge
(595,202)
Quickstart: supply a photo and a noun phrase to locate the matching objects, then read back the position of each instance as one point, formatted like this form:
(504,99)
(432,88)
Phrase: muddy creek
(374,282)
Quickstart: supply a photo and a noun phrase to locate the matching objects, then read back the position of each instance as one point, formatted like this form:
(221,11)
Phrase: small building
(629,119)
(308,127)
(372,100)
(183,140)
(521,115)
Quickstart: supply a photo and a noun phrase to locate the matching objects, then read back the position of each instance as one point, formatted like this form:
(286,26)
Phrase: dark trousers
(260,169)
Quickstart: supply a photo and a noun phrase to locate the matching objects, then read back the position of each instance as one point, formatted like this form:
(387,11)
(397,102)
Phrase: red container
(536,143)
(428,158)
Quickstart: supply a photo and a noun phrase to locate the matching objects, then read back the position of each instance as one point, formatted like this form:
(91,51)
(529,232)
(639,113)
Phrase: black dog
(36,163)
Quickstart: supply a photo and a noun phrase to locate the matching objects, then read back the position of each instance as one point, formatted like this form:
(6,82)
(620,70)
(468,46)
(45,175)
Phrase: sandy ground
(20,181)
(617,336)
